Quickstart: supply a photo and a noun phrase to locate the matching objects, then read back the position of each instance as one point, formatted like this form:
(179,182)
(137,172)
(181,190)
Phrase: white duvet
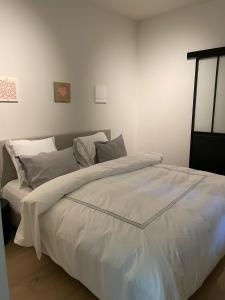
(131,228)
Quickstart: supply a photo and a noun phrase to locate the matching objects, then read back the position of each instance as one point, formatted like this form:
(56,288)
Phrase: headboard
(7,169)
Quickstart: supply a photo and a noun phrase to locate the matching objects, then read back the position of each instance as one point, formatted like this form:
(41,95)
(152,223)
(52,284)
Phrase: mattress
(14,194)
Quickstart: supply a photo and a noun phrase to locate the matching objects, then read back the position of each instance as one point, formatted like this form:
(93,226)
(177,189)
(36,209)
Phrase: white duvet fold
(44,197)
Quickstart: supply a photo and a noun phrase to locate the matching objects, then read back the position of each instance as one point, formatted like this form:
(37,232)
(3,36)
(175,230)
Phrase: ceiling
(141,9)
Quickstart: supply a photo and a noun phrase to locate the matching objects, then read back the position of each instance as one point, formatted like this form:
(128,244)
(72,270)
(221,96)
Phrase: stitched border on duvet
(149,221)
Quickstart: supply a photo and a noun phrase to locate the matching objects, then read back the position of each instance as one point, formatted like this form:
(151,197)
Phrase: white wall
(166,77)
(70,40)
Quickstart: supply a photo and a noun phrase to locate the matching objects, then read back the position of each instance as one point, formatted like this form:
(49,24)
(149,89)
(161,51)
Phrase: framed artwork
(101,94)
(62,92)
(8,90)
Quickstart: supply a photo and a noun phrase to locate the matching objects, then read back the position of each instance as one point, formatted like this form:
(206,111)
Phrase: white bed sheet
(14,194)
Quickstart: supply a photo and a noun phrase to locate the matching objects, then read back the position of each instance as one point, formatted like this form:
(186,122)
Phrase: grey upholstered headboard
(7,170)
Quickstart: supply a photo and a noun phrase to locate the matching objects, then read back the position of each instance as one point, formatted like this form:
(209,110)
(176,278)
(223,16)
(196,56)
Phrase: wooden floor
(44,280)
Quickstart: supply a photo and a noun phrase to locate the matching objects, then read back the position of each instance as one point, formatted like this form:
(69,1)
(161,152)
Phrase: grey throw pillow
(110,150)
(43,167)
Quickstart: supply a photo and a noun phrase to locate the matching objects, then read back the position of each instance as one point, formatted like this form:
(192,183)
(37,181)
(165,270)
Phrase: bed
(131,228)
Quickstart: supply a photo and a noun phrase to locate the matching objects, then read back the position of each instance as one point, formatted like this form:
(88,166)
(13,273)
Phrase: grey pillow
(110,150)
(43,167)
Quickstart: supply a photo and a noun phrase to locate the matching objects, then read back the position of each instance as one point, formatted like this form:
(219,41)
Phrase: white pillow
(84,148)
(17,148)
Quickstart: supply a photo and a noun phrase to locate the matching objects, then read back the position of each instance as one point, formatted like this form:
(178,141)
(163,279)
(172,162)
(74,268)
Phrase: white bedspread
(130,228)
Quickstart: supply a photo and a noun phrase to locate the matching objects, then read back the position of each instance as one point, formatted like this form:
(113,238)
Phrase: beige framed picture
(8,90)
(62,92)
